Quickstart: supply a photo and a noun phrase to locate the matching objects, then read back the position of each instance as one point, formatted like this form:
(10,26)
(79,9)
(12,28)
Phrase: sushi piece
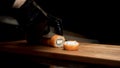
(54,41)
(71,45)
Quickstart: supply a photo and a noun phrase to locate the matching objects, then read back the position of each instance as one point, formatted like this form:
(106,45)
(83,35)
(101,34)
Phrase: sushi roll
(57,41)
(71,45)
(54,41)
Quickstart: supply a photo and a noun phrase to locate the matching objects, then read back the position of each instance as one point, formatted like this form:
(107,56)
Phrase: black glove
(33,21)
(56,23)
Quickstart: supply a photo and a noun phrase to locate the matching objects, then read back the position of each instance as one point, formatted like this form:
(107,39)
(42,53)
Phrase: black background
(94,19)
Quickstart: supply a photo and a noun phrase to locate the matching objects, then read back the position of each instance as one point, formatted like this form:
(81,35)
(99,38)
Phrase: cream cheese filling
(71,43)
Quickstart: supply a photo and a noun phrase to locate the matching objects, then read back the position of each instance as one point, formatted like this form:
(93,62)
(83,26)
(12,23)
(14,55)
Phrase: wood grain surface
(88,52)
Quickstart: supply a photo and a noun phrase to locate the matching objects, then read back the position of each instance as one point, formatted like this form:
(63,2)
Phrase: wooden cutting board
(88,52)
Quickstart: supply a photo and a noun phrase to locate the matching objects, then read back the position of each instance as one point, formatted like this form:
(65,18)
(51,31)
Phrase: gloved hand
(33,21)
(56,23)
(36,22)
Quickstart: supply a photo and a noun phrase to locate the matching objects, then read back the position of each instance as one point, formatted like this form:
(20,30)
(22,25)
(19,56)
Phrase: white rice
(71,43)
